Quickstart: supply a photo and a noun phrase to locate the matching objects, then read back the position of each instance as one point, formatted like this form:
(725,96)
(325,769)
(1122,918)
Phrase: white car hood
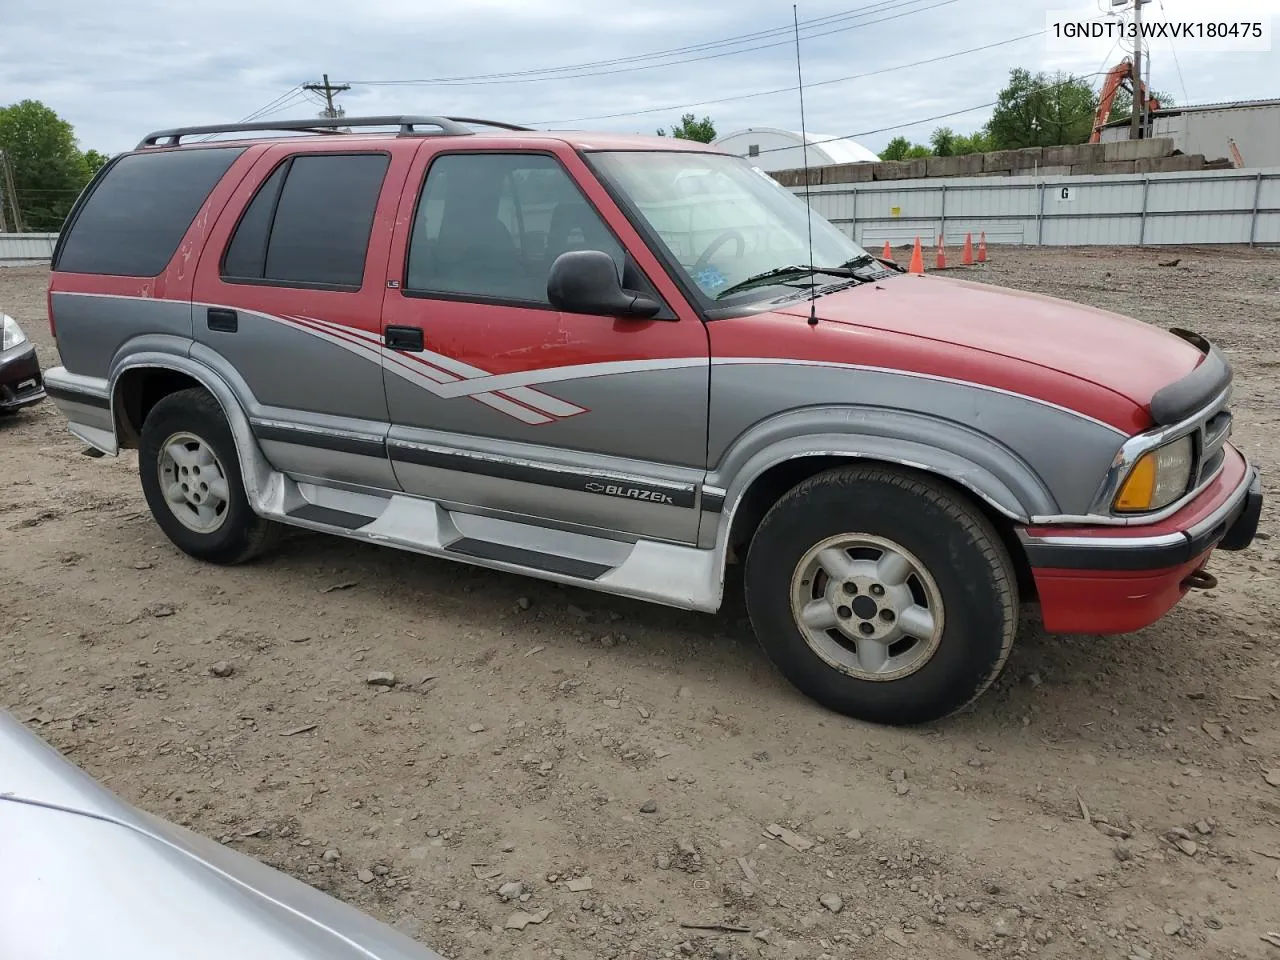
(83,874)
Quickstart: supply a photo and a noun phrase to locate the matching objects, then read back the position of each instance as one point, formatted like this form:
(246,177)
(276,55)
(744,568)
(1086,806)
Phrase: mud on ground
(543,735)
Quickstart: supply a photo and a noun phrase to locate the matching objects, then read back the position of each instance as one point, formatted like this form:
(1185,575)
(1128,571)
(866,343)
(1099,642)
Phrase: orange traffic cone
(888,251)
(982,247)
(940,263)
(917,259)
(967,257)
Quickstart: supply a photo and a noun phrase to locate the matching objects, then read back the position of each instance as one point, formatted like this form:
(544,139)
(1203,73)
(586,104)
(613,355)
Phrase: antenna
(804,146)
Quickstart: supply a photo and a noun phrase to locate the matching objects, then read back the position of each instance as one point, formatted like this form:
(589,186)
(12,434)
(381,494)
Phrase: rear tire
(191,477)
(882,594)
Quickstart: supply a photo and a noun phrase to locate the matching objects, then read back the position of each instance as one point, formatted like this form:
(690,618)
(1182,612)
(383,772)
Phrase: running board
(314,513)
(678,576)
(547,562)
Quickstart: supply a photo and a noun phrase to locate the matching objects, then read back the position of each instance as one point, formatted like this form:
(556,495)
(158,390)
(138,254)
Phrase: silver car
(83,874)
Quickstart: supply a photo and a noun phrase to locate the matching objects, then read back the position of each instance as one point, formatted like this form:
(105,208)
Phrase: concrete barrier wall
(1086,159)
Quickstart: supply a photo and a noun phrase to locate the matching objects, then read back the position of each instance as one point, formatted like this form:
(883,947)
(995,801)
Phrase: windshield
(724,221)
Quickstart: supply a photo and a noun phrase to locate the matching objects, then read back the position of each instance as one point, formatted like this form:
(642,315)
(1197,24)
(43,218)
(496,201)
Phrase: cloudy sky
(117,70)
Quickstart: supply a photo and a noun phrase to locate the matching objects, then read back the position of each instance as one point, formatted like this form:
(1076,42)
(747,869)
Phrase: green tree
(977,142)
(49,170)
(944,141)
(94,161)
(900,148)
(1038,110)
(896,149)
(691,128)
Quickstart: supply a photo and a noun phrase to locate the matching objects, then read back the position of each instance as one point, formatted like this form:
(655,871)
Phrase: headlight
(12,333)
(1158,478)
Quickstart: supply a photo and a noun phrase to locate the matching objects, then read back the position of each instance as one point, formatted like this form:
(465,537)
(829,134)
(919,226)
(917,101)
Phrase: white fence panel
(1211,206)
(21,247)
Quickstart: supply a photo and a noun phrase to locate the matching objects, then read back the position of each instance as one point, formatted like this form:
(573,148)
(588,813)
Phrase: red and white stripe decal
(432,371)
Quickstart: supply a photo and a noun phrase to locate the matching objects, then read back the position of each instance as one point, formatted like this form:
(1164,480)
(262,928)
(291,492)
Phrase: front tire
(882,594)
(191,478)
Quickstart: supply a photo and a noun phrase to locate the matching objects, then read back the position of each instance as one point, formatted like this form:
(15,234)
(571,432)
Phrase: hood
(98,871)
(1126,357)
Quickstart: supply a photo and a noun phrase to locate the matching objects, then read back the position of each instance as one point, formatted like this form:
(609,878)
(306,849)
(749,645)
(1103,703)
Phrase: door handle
(222,320)
(408,339)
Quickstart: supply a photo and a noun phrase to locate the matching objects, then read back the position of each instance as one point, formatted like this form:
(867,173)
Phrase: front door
(500,402)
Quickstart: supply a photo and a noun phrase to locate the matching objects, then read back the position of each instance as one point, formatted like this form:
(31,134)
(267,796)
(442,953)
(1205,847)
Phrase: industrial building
(771,148)
(1210,129)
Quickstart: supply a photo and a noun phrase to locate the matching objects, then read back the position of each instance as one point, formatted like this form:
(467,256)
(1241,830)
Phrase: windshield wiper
(862,260)
(782,273)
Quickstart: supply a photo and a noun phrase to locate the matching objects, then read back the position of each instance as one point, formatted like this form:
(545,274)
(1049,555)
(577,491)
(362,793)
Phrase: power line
(916,123)
(1174,51)
(658,54)
(818,83)
(1181,81)
(298,97)
(268,107)
(671,63)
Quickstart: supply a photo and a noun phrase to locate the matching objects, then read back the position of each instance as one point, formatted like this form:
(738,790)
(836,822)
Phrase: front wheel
(882,594)
(190,476)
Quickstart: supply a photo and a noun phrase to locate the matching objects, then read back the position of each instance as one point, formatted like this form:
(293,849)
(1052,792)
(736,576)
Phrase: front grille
(1213,434)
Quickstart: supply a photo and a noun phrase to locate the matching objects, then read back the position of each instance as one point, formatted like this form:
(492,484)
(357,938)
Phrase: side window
(132,221)
(308,225)
(247,253)
(490,226)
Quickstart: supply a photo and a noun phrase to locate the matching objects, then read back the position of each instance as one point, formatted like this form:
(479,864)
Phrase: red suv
(624,363)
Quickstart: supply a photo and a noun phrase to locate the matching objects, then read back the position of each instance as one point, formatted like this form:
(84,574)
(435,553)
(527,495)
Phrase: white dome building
(771,148)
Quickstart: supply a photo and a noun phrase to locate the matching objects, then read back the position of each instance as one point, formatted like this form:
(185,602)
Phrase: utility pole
(328,89)
(1139,101)
(9,191)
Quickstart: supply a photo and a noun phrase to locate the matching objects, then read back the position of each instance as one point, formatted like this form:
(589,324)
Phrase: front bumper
(1119,579)
(20,382)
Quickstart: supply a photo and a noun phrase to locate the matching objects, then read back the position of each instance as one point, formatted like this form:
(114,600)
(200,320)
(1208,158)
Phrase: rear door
(288,296)
(498,401)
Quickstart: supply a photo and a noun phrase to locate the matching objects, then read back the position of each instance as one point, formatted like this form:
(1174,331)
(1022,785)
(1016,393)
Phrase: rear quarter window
(135,216)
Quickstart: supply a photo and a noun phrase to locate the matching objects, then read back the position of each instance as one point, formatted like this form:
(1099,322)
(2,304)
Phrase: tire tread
(258,534)
(948,501)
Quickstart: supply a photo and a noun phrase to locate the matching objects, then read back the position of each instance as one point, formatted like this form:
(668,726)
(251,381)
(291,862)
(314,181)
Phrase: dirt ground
(544,735)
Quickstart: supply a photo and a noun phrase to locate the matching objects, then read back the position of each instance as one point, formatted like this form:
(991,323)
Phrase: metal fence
(1205,207)
(26,247)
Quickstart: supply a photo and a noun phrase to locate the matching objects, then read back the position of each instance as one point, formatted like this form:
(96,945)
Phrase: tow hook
(1200,580)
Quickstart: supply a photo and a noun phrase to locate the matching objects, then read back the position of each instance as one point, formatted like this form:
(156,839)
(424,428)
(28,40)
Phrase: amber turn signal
(1157,478)
(1139,487)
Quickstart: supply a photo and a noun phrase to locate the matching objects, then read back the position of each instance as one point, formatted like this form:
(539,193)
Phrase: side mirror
(586,281)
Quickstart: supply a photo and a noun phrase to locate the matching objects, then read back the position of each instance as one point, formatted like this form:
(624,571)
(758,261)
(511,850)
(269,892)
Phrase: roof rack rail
(408,125)
(490,123)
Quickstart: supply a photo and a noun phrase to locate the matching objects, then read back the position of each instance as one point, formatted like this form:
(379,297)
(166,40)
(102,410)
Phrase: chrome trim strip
(1126,543)
(317,431)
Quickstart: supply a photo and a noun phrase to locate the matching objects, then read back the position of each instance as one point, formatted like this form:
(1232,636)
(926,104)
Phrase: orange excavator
(1119,76)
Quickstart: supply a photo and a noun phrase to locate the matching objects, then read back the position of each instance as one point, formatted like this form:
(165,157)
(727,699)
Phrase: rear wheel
(882,594)
(191,478)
